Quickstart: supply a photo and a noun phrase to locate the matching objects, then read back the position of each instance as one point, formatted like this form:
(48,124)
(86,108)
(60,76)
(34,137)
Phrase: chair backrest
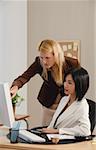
(92,113)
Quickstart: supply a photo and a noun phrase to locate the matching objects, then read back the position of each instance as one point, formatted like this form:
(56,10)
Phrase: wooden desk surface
(6,145)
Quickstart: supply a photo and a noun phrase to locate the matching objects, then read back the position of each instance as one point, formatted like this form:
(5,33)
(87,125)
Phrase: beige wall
(95,48)
(60,20)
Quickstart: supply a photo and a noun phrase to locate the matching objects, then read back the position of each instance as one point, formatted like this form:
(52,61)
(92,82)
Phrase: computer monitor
(6,110)
(8,119)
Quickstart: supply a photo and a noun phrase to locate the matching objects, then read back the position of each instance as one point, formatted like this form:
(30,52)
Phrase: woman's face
(69,86)
(47,59)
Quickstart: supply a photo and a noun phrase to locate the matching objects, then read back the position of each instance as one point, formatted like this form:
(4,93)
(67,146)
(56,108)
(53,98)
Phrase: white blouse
(74,120)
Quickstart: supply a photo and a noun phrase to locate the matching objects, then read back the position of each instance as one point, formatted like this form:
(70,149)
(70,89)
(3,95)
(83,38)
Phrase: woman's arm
(81,126)
(29,73)
(50,130)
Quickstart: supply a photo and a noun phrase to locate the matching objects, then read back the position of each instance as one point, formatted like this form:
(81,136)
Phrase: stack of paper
(60,136)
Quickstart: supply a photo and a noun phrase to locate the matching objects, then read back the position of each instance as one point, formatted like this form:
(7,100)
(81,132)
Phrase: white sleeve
(82,129)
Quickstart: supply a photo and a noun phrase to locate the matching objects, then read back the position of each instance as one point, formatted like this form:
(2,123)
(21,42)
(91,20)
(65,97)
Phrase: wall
(60,20)
(1,43)
(13,44)
(95,47)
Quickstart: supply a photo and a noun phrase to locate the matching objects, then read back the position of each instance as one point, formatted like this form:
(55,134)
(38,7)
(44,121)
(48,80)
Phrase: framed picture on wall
(71,48)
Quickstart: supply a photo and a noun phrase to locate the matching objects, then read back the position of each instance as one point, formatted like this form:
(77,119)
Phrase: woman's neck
(72,98)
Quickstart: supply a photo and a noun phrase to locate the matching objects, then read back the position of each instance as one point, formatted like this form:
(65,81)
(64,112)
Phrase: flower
(17,99)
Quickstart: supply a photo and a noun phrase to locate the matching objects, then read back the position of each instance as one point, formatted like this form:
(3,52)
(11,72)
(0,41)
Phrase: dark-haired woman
(72,115)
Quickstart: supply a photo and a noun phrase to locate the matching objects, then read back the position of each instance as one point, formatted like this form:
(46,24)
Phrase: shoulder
(37,59)
(83,104)
(35,67)
(71,62)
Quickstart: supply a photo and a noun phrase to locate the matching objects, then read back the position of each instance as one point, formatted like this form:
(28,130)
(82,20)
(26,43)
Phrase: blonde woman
(51,66)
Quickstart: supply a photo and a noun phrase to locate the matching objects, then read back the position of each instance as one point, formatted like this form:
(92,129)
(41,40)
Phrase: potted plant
(16,101)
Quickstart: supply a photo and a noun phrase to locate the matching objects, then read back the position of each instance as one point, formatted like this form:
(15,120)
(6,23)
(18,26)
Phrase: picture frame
(71,48)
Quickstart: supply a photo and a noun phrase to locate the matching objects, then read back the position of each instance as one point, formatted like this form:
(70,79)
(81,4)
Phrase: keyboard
(30,137)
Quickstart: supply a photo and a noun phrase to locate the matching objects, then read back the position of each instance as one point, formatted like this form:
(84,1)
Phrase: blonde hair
(57,70)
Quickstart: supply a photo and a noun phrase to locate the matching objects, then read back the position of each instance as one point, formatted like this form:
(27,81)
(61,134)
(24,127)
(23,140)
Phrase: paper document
(60,136)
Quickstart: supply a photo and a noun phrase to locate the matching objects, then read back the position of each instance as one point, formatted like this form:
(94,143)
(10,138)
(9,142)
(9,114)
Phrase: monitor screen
(6,109)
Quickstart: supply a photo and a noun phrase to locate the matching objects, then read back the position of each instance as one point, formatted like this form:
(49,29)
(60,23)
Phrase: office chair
(92,113)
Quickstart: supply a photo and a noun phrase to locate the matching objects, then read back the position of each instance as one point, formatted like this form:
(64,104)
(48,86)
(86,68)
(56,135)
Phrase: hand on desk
(54,139)
(50,130)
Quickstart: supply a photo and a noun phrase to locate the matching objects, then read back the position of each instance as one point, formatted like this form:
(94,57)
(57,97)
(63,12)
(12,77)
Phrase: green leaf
(17,99)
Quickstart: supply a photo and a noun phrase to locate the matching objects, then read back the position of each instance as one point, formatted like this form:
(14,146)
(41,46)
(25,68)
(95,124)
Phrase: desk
(6,145)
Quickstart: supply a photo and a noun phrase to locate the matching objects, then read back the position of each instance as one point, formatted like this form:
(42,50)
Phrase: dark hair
(81,79)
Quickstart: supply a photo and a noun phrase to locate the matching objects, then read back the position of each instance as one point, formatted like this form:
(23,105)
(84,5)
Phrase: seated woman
(72,115)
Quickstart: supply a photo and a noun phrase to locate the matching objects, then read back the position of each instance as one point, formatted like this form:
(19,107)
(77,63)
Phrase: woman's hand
(50,130)
(13,90)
